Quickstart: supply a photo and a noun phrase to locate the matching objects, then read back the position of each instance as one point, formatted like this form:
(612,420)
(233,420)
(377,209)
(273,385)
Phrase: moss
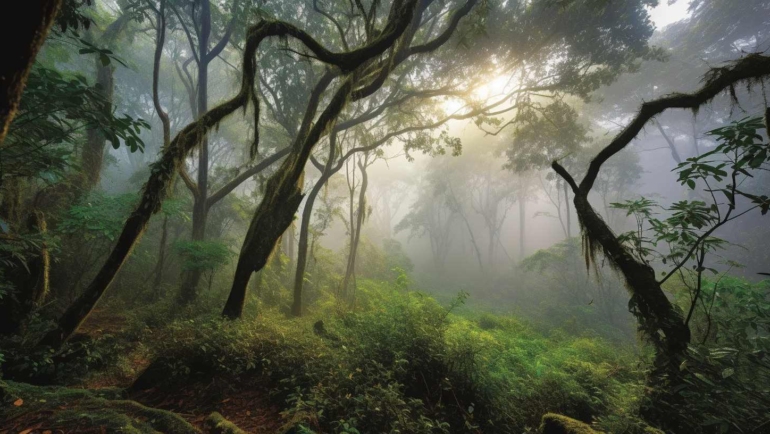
(558,424)
(82,410)
(217,424)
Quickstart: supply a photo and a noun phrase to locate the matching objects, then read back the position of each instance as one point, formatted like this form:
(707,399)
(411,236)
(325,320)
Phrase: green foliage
(727,374)
(560,293)
(54,112)
(203,255)
(71,18)
(544,134)
(686,230)
(402,362)
(740,149)
(99,216)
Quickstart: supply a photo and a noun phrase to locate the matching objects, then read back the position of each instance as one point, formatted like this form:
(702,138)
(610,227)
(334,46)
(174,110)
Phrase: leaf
(703,378)
(19,402)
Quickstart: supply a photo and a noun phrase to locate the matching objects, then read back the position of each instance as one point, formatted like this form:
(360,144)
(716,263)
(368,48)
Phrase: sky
(665,13)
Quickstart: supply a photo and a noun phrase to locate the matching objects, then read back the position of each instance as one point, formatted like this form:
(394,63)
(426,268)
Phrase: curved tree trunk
(23,30)
(283,194)
(662,323)
(160,39)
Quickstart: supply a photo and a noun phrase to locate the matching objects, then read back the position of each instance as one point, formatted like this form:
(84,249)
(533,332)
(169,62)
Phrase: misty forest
(385,216)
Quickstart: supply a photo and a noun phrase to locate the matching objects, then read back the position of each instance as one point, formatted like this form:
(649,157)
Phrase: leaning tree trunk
(283,190)
(275,213)
(662,323)
(283,194)
(23,30)
(160,39)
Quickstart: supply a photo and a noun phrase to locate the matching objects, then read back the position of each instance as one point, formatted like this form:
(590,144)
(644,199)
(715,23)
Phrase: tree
(203,54)
(665,327)
(433,215)
(283,195)
(357,218)
(92,154)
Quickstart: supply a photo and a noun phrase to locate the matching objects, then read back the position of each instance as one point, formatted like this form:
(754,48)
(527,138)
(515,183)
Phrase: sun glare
(486,89)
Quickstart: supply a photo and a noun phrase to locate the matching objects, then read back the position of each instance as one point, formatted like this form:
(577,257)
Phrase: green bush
(402,362)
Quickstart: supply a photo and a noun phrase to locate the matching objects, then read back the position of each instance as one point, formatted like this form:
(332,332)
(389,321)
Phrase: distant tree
(433,214)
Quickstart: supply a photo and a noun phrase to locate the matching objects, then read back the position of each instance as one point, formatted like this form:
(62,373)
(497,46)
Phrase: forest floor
(246,405)
(401,362)
(76,409)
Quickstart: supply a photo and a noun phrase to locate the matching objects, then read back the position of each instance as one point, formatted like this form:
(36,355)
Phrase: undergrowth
(398,362)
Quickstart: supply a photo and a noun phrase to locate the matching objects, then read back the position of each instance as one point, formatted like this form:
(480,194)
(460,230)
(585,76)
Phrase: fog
(496,209)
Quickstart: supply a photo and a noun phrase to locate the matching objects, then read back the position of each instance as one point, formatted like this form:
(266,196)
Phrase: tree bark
(23,30)
(92,154)
(304,228)
(283,194)
(192,277)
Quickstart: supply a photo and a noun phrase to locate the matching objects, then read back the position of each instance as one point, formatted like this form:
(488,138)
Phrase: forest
(385,216)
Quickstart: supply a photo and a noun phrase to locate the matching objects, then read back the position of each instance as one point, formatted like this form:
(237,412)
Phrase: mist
(402,216)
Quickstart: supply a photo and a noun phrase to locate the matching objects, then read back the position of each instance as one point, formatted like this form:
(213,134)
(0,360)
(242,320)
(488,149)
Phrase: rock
(558,424)
(320,330)
(217,424)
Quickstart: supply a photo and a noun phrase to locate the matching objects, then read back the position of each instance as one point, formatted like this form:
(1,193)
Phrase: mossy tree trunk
(662,323)
(23,29)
